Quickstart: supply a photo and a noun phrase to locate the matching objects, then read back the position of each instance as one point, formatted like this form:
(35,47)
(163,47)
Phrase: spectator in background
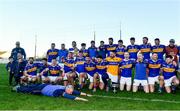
(63,52)
(172,50)
(17,50)
(102,50)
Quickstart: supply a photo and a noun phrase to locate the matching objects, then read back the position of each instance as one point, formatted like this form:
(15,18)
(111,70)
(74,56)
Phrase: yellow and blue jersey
(52,54)
(92,51)
(102,51)
(168,70)
(43,67)
(113,65)
(85,52)
(133,50)
(127,66)
(75,51)
(160,50)
(68,65)
(90,68)
(111,48)
(120,52)
(54,70)
(31,69)
(145,50)
(154,67)
(101,67)
(80,64)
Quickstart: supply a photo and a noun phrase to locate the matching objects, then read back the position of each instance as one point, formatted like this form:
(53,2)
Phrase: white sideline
(138,99)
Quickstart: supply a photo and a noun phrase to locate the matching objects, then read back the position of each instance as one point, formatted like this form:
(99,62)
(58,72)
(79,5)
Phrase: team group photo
(55,67)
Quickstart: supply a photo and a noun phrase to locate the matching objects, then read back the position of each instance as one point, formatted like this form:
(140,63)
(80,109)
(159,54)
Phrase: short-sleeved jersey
(140,70)
(42,67)
(146,50)
(133,50)
(120,52)
(54,70)
(80,64)
(75,51)
(154,67)
(52,54)
(127,66)
(160,50)
(90,68)
(31,69)
(110,48)
(101,67)
(168,70)
(113,65)
(85,52)
(92,51)
(68,65)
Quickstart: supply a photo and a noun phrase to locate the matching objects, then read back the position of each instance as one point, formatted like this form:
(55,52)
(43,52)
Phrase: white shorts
(138,82)
(90,77)
(61,65)
(114,78)
(167,82)
(153,80)
(52,78)
(49,63)
(126,80)
(29,78)
(43,78)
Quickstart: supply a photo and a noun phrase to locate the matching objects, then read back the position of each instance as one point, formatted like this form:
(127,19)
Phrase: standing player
(69,68)
(170,80)
(101,68)
(140,74)
(145,48)
(154,65)
(74,49)
(90,69)
(52,53)
(133,49)
(113,68)
(102,50)
(120,49)
(55,71)
(30,72)
(80,70)
(92,51)
(63,52)
(158,48)
(126,72)
(84,50)
(111,47)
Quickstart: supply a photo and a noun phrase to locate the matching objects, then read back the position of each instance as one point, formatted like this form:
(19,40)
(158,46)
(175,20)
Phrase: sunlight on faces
(80,54)
(112,54)
(168,60)
(70,55)
(154,56)
(54,62)
(140,57)
(126,55)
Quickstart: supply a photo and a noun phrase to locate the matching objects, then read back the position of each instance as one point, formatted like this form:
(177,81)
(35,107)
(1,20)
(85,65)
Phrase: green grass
(17,101)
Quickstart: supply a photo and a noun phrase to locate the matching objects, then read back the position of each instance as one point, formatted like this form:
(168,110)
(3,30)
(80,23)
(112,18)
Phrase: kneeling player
(154,65)
(140,74)
(126,72)
(42,66)
(54,72)
(101,74)
(69,69)
(170,79)
(30,72)
(90,69)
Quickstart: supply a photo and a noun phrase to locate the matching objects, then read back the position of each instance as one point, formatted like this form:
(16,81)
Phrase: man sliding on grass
(52,91)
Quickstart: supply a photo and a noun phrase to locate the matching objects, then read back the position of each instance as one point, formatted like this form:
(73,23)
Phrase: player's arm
(71,97)
(25,73)
(45,70)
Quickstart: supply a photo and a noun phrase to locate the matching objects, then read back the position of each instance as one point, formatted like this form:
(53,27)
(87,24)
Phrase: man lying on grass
(52,91)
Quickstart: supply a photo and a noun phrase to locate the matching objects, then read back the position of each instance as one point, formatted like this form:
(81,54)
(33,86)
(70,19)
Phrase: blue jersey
(52,54)
(160,50)
(146,50)
(168,70)
(74,51)
(54,70)
(154,67)
(85,52)
(101,68)
(43,67)
(62,54)
(31,69)
(120,52)
(80,64)
(68,65)
(92,51)
(133,50)
(90,68)
(127,66)
(110,48)
(140,71)
(179,53)
(102,51)
(15,51)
